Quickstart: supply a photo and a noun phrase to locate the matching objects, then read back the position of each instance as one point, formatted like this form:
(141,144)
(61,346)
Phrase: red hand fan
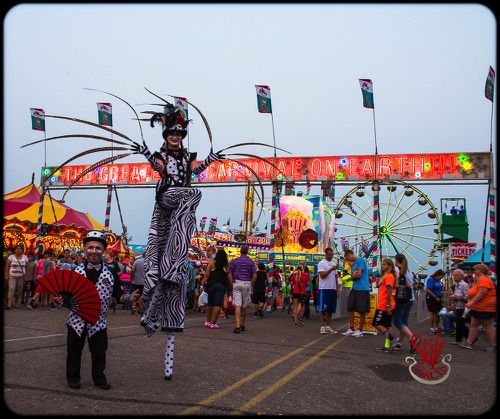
(78,293)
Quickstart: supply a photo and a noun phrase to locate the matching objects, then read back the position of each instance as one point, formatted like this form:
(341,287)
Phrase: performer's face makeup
(94,251)
(174,140)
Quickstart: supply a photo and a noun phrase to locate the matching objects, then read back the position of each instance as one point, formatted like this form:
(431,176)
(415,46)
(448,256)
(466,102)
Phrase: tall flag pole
(375,228)
(493,234)
(489,92)
(105,117)
(38,124)
(39,225)
(271,251)
(368,102)
(367,91)
(264,106)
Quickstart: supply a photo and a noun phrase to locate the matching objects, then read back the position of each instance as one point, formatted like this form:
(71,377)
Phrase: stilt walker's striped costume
(172,226)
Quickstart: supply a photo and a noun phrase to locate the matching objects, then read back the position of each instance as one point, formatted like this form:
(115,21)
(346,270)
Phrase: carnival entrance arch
(385,211)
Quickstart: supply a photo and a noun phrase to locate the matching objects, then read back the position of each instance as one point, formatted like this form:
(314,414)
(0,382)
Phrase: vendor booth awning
(475,258)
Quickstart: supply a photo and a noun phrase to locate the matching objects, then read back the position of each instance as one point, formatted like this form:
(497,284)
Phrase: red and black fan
(78,293)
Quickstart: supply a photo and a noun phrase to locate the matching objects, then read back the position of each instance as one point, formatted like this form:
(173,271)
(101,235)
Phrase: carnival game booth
(61,226)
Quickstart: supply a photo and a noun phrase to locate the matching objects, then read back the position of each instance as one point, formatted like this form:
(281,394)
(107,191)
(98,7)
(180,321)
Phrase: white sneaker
(322,330)
(330,330)
(348,332)
(357,334)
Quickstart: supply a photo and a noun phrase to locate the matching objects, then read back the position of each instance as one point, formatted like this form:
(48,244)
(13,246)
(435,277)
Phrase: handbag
(403,291)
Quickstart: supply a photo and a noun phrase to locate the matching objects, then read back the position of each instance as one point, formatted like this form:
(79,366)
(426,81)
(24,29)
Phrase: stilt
(169,355)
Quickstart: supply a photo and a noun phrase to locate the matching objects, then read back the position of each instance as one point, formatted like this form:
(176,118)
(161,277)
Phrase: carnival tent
(121,250)
(23,205)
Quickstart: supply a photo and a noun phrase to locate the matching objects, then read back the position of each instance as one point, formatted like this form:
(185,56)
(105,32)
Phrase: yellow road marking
(256,374)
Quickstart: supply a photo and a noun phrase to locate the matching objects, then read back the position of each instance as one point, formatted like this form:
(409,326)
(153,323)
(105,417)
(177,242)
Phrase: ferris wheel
(400,215)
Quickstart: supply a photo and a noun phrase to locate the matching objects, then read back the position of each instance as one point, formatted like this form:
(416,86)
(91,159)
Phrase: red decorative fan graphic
(78,293)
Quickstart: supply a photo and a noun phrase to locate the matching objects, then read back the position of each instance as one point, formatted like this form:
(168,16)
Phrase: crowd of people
(241,283)
(22,272)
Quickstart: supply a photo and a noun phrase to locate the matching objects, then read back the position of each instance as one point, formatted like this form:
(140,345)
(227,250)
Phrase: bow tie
(92,266)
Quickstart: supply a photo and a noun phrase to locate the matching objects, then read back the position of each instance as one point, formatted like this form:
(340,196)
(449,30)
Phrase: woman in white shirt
(15,271)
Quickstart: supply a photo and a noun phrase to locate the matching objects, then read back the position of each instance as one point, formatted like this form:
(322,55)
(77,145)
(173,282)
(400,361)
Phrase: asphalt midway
(272,368)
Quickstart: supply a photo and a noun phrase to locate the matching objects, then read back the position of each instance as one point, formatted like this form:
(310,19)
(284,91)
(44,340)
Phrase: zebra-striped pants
(166,263)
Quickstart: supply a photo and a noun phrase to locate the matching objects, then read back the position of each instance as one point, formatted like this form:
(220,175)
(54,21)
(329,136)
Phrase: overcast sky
(428,64)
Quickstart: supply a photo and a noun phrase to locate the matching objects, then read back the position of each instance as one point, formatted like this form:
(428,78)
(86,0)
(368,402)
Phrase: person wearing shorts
(359,296)
(482,302)
(433,301)
(382,320)
(242,275)
(328,292)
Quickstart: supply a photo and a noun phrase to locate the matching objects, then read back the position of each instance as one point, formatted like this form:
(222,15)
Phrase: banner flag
(490,85)
(181,103)
(203,222)
(367,91)
(213,225)
(104,113)
(263,99)
(37,119)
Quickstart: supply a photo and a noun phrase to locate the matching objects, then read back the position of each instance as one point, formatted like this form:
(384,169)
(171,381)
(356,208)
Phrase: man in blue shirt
(242,275)
(359,296)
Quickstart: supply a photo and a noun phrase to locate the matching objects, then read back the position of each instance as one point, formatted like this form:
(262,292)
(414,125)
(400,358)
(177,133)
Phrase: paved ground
(272,368)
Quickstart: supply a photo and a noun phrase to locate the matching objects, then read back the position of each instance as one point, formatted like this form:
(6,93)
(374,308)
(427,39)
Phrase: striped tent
(23,205)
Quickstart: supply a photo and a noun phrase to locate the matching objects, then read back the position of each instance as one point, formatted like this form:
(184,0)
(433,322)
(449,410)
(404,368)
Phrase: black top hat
(171,120)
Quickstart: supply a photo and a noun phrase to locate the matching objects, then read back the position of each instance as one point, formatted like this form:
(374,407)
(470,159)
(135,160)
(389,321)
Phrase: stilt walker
(173,219)
(172,226)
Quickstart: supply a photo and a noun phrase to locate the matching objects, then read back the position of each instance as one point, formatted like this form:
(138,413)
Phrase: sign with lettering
(461,251)
(405,167)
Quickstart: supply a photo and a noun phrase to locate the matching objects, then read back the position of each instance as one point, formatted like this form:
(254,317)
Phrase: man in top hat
(79,329)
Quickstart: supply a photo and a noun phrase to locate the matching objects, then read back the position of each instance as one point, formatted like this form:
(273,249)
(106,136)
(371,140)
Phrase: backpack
(403,291)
